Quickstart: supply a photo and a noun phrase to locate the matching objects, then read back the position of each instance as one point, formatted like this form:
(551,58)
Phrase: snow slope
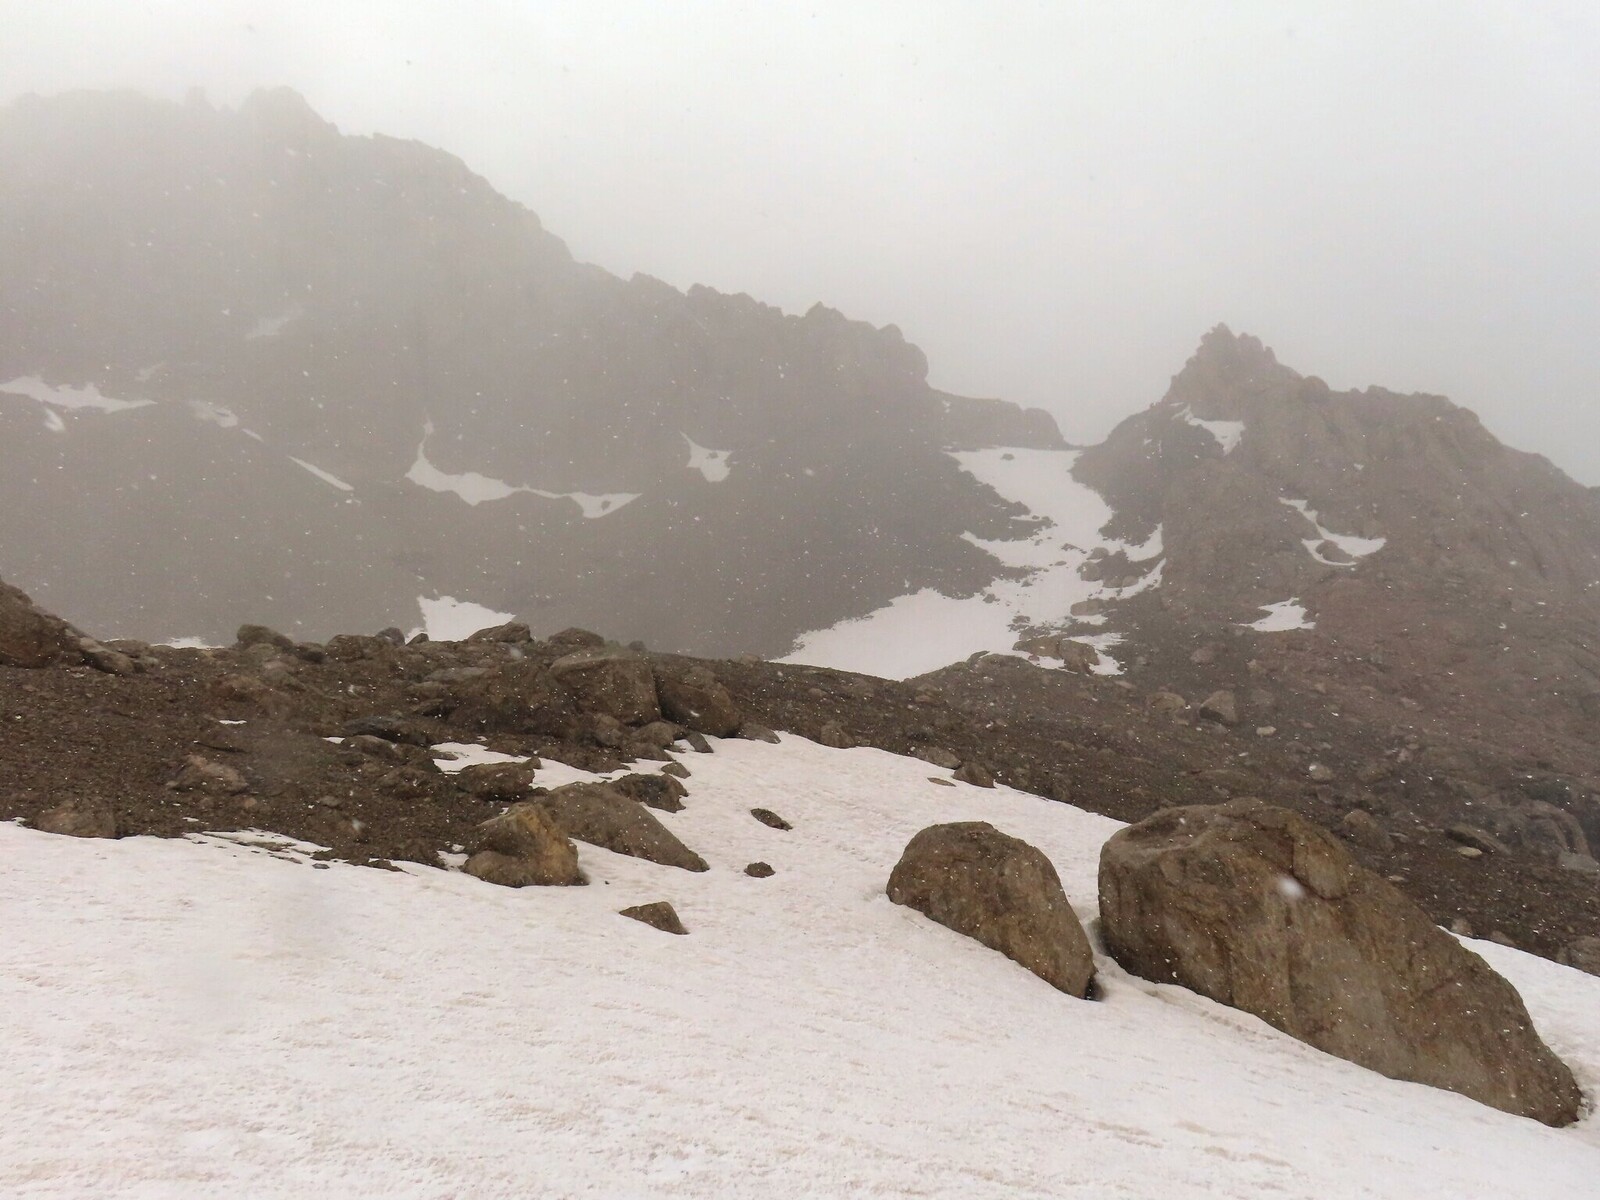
(193,1020)
(926,630)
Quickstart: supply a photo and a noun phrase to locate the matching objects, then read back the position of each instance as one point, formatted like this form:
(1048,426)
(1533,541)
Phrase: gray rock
(1220,707)
(1000,891)
(523,847)
(770,819)
(752,732)
(695,699)
(658,915)
(604,816)
(1259,909)
(79,818)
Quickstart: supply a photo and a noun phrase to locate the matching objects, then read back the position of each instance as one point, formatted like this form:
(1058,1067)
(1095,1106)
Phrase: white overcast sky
(1053,199)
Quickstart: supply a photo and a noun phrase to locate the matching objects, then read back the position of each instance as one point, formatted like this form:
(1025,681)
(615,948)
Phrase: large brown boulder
(523,847)
(1000,891)
(617,683)
(696,700)
(1259,909)
(603,816)
(30,637)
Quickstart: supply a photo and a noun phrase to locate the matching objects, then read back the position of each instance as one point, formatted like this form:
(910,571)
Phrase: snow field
(926,630)
(189,1020)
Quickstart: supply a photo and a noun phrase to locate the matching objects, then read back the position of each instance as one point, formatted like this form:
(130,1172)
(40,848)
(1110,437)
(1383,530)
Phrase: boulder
(78,818)
(30,637)
(770,819)
(512,632)
(1000,891)
(604,816)
(498,783)
(658,734)
(1220,707)
(759,870)
(261,635)
(200,774)
(661,792)
(658,915)
(752,732)
(523,847)
(103,658)
(696,700)
(1478,839)
(974,773)
(1077,656)
(939,756)
(514,697)
(833,735)
(677,770)
(576,639)
(617,683)
(1169,703)
(1259,909)
(1362,828)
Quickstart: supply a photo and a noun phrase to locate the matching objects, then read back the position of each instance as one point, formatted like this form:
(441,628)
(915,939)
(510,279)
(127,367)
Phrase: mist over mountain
(251,364)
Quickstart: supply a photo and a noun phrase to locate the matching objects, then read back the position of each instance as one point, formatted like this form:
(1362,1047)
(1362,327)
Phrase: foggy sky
(1054,200)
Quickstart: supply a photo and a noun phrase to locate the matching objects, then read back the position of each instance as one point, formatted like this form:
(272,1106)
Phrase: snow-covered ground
(1355,547)
(197,1019)
(477,489)
(926,630)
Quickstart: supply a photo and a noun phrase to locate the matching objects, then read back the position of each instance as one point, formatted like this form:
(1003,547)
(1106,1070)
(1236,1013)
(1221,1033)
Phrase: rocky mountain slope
(249,363)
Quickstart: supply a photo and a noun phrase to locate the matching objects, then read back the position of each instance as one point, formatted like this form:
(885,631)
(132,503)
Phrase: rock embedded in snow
(770,819)
(658,915)
(833,735)
(759,870)
(79,818)
(1260,909)
(751,731)
(975,774)
(660,792)
(524,847)
(999,891)
(697,700)
(603,816)
(617,683)
(498,783)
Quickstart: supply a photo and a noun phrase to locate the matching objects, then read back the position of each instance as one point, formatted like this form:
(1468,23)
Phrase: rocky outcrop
(1000,891)
(30,637)
(1259,909)
(603,816)
(523,847)
(79,818)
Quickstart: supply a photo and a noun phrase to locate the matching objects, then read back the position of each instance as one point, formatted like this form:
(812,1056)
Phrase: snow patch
(322,475)
(1228,434)
(713,464)
(189,643)
(926,630)
(1355,547)
(271,327)
(214,414)
(478,489)
(87,397)
(446,619)
(1282,617)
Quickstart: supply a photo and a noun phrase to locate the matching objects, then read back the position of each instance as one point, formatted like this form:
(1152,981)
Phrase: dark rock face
(658,915)
(603,816)
(523,847)
(1000,891)
(29,637)
(1261,910)
(514,697)
(500,783)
